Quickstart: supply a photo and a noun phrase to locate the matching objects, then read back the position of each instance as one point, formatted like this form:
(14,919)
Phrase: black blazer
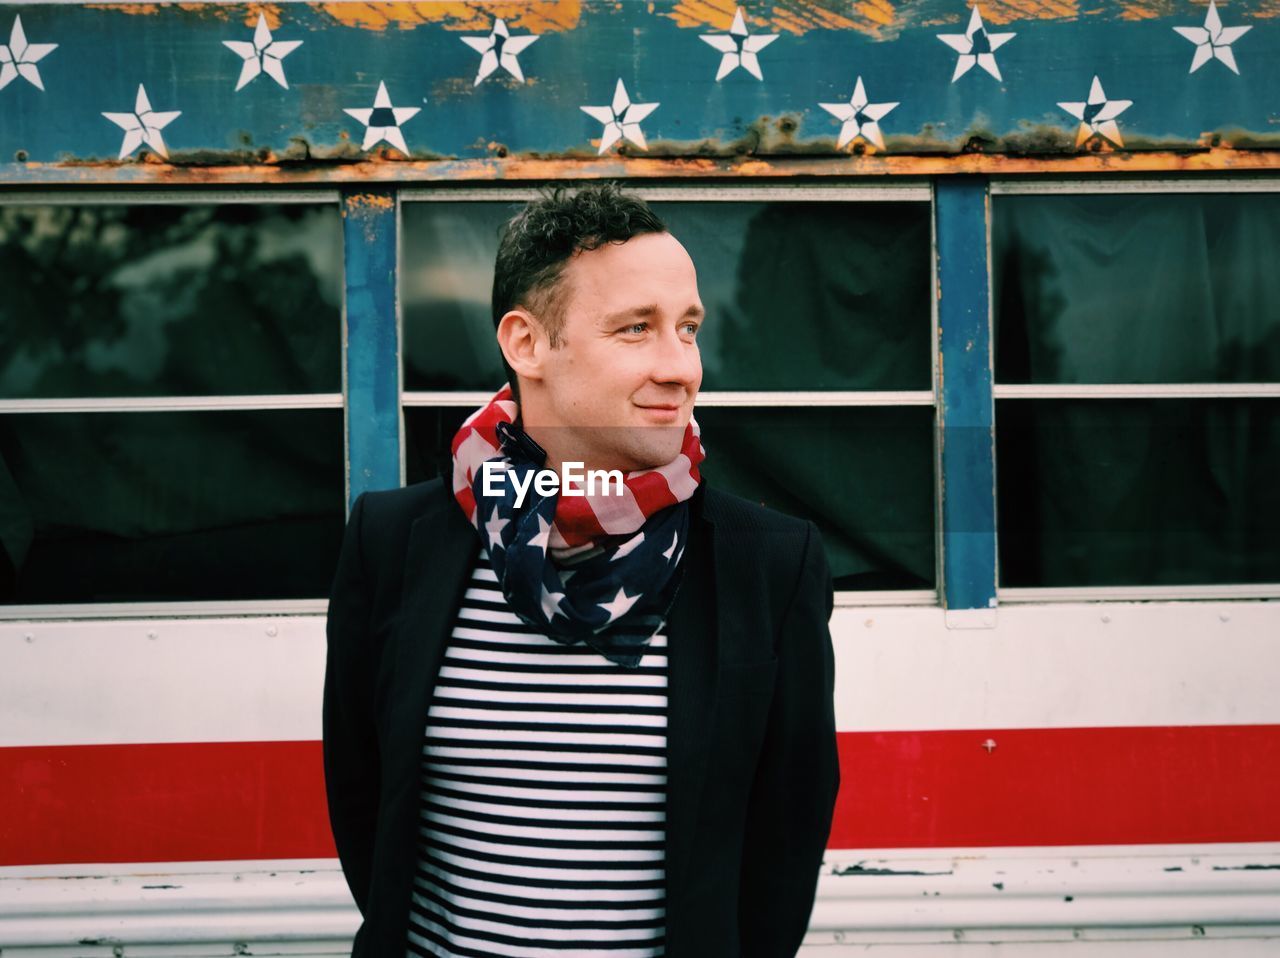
(751,768)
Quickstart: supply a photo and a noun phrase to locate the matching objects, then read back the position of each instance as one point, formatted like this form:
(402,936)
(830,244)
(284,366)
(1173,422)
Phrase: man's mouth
(663,412)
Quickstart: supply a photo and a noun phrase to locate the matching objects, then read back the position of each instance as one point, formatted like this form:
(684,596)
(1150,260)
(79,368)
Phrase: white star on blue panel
(739,48)
(976,47)
(1097,115)
(143,125)
(621,119)
(499,49)
(19,58)
(1213,40)
(382,121)
(263,54)
(860,117)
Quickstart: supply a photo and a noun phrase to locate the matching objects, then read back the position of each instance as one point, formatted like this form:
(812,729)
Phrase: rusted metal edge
(153,172)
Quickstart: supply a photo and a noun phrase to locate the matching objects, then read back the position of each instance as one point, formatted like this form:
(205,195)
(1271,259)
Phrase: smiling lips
(665,412)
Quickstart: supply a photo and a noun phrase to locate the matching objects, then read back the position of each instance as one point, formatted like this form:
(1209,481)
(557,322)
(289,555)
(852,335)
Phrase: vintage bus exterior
(992,299)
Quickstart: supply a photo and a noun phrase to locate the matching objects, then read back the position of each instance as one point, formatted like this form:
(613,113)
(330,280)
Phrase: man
(581,725)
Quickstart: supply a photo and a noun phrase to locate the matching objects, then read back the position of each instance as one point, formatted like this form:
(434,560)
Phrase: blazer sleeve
(793,796)
(349,741)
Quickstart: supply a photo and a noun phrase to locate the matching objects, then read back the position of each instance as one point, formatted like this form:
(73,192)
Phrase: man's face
(619,390)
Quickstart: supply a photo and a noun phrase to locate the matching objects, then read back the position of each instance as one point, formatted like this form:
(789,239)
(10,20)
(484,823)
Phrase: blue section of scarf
(614,599)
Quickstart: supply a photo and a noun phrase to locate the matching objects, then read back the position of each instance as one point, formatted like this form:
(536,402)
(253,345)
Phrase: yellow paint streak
(1009,11)
(219,11)
(879,12)
(1146,10)
(538,16)
(131,9)
(795,17)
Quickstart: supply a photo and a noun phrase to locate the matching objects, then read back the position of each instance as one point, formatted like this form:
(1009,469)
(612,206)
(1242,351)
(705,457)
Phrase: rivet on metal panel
(989,745)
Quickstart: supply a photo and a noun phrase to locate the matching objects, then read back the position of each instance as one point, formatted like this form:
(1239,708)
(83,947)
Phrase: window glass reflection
(159,300)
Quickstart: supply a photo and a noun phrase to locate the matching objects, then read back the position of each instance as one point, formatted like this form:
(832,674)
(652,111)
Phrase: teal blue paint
(372,355)
(178,53)
(965,401)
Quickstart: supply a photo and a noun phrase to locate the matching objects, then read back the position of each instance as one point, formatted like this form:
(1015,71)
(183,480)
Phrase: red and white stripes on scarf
(580,520)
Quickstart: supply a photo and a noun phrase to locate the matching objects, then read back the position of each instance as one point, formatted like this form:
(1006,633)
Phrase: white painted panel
(1059,666)
(260,678)
(161,680)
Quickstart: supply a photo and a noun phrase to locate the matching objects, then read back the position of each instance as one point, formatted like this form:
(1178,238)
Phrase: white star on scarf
(494,527)
(739,48)
(620,604)
(543,539)
(551,603)
(670,550)
(629,546)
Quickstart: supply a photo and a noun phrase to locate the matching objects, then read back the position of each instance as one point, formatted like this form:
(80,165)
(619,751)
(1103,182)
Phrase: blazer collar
(442,550)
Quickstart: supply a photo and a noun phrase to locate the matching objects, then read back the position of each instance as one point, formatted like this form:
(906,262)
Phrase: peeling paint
(793,17)
(373,201)
(858,869)
(540,16)
(350,165)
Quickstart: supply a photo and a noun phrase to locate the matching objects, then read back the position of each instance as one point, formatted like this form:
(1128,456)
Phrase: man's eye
(636,328)
(692,328)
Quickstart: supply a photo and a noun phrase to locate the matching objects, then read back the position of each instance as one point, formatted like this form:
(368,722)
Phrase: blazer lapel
(693,645)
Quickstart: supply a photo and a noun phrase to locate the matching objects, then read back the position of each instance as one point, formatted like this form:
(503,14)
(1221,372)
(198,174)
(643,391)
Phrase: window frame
(145,196)
(1071,186)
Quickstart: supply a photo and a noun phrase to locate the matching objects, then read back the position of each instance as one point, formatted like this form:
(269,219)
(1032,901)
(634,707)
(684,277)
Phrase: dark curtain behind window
(1138,289)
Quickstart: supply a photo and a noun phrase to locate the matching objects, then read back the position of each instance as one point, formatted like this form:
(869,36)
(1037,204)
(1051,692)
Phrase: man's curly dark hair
(538,242)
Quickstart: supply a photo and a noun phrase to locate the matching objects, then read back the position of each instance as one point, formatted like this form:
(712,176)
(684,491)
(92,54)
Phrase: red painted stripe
(150,803)
(1071,786)
(1083,786)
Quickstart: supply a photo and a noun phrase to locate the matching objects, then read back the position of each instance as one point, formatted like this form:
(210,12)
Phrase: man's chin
(655,446)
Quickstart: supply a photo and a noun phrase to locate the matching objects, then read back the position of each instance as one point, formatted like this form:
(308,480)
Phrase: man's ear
(522,341)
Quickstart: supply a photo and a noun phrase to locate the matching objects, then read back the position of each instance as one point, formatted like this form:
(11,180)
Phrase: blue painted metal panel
(372,359)
(965,410)
(191,59)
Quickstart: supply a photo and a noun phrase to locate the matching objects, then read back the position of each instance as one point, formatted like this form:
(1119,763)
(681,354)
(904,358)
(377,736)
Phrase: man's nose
(677,360)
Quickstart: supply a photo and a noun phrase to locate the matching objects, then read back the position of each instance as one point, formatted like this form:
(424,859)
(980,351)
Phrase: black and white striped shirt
(543,800)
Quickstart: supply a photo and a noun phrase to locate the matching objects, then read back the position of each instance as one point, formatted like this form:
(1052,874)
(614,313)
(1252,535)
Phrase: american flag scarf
(600,568)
